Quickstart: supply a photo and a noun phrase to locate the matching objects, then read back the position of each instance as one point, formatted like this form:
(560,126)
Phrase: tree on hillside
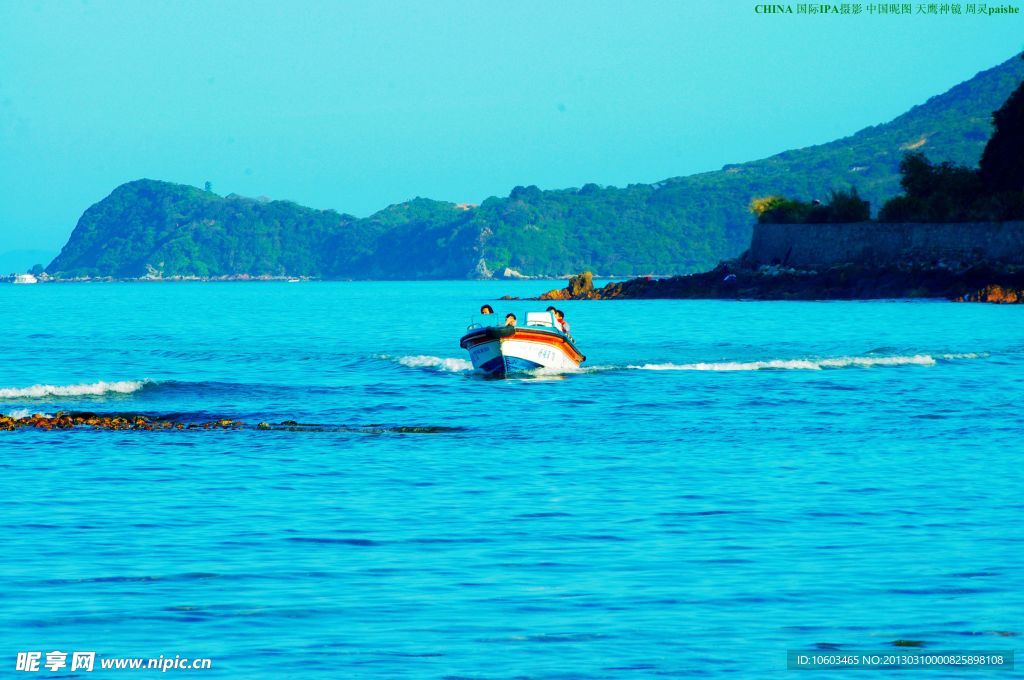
(944,192)
(842,207)
(1002,162)
(947,192)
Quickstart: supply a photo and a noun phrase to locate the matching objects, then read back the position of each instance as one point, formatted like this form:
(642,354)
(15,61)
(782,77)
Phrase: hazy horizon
(355,106)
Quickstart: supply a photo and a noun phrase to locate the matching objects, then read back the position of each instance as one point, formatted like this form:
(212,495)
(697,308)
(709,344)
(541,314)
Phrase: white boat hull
(500,351)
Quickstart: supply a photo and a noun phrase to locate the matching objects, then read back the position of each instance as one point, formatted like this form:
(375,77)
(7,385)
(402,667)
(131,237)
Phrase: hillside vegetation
(678,225)
(932,192)
(148,226)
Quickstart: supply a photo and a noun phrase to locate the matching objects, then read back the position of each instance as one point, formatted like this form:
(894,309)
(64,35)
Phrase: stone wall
(821,245)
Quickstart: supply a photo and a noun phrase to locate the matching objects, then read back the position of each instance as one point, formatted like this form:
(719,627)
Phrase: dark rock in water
(997,294)
(581,287)
(114,421)
(134,421)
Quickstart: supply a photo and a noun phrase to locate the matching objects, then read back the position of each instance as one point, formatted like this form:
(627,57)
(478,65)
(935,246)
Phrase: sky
(356,105)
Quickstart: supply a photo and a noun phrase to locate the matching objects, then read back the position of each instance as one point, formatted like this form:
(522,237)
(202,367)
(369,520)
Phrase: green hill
(148,226)
(678,225)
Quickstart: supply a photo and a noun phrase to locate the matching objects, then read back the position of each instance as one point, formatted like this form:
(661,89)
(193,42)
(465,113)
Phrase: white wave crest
(82,390)
(423,361)
(23,413)
(794,364)
(561,370)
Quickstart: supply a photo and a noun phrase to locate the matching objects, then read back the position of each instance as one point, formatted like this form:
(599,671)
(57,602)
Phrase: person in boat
(510,319)
(554,313)
(562,323)
(487,309)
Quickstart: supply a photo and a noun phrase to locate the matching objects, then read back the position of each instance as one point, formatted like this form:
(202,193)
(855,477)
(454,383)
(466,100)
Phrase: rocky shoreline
(737,280)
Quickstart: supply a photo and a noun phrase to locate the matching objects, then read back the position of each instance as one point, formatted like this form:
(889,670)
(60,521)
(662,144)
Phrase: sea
(722,484)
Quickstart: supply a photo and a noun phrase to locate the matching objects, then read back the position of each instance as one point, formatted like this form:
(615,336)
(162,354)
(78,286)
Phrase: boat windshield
(542,320)
(545,320)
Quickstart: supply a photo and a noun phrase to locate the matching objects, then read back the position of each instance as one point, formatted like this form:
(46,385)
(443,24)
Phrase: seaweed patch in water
(69,420)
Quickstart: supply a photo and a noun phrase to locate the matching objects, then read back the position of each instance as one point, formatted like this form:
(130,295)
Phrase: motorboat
(25,278)
(540,344)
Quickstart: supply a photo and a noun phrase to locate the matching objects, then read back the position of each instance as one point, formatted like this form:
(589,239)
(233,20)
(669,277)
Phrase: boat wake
(433,363)
(95,389)
(451,365)
(810,364)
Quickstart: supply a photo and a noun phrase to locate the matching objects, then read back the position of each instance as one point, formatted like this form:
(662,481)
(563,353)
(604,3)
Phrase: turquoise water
(725,481)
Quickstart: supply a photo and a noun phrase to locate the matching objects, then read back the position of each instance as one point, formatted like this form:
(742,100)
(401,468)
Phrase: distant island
(157,230)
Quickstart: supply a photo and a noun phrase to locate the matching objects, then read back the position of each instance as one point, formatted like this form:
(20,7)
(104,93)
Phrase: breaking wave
(95,389)
(809,364)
